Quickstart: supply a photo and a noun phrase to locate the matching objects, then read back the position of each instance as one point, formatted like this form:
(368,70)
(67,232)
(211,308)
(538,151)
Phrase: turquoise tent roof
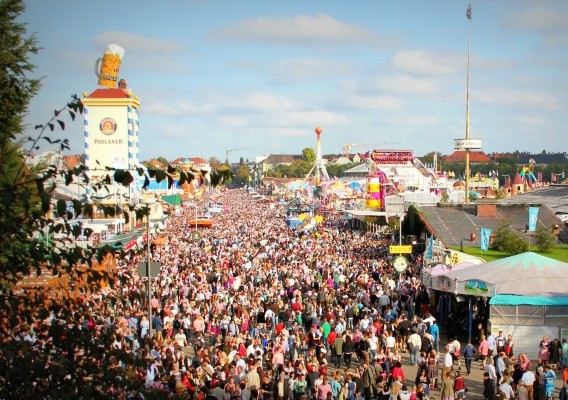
(174,199)
(513,300)
(525,274)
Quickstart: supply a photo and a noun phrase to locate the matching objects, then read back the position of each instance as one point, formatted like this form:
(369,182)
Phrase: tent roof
(526,274)
(513,300)
(443,269)
(174,199)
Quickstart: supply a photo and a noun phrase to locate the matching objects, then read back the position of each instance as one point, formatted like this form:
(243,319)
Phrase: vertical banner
(430,248)
(484,239)
(533,218)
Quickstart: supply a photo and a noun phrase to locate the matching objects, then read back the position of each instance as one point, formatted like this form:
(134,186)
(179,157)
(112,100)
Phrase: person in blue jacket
(435,332)
(468,353)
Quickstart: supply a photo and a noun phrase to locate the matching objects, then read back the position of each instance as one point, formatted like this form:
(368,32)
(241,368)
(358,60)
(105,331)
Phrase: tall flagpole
(467,171)
(468,143)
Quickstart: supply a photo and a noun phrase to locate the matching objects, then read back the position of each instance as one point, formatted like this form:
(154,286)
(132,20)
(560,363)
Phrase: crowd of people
(255,310)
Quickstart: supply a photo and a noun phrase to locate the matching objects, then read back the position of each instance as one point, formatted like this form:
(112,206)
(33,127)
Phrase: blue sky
(217,75)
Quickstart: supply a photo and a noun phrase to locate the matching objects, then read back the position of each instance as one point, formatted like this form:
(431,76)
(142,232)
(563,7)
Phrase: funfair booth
(528,297)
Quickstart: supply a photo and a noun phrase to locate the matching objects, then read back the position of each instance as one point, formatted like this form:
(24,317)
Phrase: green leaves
(61,207)
(220,175)
(123,177)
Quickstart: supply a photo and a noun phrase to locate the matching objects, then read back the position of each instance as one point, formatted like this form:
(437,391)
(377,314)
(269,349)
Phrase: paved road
(474,382)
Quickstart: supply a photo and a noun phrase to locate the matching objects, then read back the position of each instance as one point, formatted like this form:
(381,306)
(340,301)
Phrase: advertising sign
(400,249)
(465,144)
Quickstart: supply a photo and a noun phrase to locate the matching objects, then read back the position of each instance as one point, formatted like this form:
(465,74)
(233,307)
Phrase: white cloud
(256,101)
(533,120)
(233,121)
(420,61)
(518,98)
(386,102)
(300,30)
(137,43)
(309,69)
(406,84)
(540,17)
(144,52)
(174,131)
(547,20)
(151,106)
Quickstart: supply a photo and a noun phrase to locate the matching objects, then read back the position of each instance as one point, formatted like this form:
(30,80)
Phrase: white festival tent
(529,296)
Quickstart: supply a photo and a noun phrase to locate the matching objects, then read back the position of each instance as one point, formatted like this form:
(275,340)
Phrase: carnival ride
(527,172)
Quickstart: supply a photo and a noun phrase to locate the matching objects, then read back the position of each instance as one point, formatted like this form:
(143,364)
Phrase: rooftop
(455,223)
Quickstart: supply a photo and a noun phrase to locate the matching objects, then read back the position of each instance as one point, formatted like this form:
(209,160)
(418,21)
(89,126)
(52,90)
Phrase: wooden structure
(69,285)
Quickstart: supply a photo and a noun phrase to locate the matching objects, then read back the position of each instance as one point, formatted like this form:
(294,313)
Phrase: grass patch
(559,253)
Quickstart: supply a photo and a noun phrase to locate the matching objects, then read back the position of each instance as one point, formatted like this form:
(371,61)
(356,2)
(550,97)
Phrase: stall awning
(173,200)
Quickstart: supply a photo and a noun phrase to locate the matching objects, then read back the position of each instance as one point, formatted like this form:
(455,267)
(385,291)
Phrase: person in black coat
(489,389)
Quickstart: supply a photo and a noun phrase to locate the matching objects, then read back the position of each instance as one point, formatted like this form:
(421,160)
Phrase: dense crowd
(254,310)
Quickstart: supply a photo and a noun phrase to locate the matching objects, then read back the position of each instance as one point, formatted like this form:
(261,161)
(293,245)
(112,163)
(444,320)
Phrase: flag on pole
(430,248)
(468,12)
(533,218)
(484,239)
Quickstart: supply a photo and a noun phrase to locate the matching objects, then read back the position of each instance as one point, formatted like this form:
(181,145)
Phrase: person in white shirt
(181,339)
(390,341)
(404,394)
(490,369)
(506,389)
(528,379)
(340,327)
(373,343)
(429,320)
(455,349)
(448,360)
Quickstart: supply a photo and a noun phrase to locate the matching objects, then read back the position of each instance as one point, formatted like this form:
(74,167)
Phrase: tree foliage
(544,239)
(507,241)
(214,163)
(71,354)
(309,155)
(242,174)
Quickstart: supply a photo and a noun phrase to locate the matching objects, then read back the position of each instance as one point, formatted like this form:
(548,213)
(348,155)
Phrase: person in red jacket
(398,371)
(459,386)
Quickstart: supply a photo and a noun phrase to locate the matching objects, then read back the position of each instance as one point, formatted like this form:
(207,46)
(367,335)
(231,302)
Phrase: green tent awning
(173,200)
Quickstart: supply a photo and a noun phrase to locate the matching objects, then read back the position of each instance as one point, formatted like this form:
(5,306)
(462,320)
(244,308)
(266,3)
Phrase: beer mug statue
(108,67)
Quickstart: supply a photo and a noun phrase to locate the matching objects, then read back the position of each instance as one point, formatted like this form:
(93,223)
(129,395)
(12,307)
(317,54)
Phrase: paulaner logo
(108,126)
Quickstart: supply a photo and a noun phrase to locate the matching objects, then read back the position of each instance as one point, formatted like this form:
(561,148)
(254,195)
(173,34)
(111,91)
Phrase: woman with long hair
(432,368)
(348,350)
(447,387)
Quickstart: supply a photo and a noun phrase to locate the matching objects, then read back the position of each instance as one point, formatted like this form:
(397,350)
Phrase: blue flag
(430,248)
(533,218)
(484,239)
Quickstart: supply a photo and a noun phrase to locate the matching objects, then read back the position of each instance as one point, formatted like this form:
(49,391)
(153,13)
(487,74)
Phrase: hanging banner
(476,287)
(533,218)
(484,239)
(443,283)
(430,248)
